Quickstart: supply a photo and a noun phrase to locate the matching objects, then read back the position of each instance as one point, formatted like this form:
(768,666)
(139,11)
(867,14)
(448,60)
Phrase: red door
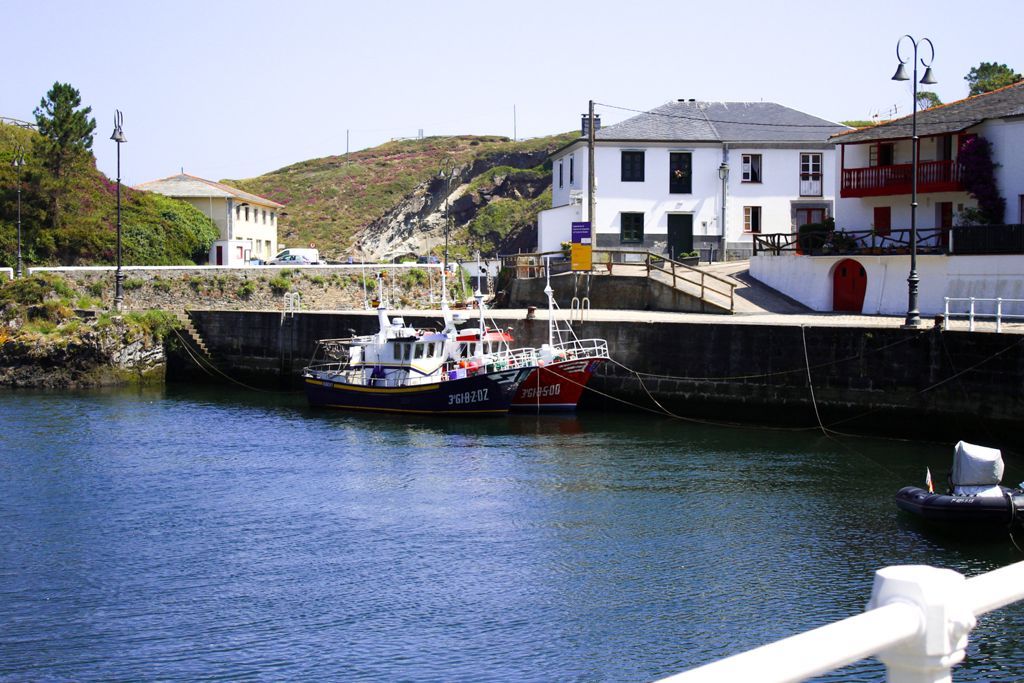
(849,282)
(220,255)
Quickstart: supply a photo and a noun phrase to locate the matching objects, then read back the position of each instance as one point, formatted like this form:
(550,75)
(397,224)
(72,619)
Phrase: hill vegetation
(69,208)
(341,202)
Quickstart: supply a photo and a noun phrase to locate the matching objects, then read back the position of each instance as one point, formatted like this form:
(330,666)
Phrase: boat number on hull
(549,390)
(475,396)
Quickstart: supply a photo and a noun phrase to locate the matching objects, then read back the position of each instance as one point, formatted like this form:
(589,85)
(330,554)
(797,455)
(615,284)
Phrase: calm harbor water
(197,534)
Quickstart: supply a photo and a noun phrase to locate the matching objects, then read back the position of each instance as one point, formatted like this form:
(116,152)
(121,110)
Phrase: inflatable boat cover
(976,466)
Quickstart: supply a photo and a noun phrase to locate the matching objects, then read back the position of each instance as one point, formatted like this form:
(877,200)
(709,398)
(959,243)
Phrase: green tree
(64,143)
(926,99)
(989,76)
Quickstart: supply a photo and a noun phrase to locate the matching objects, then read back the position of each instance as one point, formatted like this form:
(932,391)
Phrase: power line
(708,119)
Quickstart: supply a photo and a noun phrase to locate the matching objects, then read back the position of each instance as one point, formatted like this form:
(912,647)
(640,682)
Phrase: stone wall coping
(245,269)
(9,272)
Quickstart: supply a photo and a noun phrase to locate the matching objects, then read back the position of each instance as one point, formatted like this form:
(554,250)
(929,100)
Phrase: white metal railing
(292,303)
(916,623)
(973,313)
(580,307)
(582,348)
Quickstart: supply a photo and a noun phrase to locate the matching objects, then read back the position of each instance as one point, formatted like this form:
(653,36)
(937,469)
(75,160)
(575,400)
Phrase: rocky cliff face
(107,356)
(416,224)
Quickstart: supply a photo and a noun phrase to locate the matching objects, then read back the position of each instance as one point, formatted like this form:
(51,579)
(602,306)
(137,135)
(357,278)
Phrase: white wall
(560,194)
(235,252)
(808,279)
(1007,138)
(552,225)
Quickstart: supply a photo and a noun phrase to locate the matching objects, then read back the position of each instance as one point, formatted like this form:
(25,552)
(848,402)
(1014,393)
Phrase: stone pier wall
(924,384)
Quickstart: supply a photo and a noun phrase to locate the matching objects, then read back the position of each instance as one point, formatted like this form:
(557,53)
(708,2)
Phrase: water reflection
(204,533)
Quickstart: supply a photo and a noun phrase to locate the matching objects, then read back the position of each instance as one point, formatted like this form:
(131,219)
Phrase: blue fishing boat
(406,370)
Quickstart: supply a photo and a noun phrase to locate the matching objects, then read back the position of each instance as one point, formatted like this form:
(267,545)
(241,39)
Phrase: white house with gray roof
(694,175)
(247,222)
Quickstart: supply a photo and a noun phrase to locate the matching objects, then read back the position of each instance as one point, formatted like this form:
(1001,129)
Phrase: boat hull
(555,387)
(484,394)
(962,514)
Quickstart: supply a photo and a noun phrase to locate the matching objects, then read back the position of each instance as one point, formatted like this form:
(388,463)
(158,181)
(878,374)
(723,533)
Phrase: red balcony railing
(876,181)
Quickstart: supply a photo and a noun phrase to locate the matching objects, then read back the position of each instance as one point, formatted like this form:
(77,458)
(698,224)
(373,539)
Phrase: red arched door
(849,282)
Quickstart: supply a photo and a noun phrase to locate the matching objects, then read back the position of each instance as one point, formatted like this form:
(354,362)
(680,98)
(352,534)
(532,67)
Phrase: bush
(133,284)
(157,324)
(35,289)
(812,236)
(246,289)
(280,284)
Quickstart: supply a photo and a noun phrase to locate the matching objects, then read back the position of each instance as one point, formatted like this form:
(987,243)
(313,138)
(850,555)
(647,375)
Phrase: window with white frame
(751,168)
(752,219)
(810,174)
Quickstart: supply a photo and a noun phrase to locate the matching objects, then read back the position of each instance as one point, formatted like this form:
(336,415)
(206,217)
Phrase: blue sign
(581,232)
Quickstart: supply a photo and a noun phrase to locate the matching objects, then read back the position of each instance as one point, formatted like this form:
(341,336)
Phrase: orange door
(849,282)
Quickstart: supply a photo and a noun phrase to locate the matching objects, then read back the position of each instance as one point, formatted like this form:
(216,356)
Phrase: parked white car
(296,257)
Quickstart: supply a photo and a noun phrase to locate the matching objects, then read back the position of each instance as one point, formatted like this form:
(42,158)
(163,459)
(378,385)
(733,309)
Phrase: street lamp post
(913,313)
(118,137)
(19,161)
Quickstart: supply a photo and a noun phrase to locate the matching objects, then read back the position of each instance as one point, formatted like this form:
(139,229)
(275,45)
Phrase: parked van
(296,257)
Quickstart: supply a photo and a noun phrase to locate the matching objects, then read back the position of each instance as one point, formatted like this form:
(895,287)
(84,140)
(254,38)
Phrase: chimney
(585,124)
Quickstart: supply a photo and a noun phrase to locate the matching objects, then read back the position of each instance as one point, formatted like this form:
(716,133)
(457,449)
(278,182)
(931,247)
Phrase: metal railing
(990,309)
(917,623)
(852,242)
(685,278)
(581,348)
(987,239)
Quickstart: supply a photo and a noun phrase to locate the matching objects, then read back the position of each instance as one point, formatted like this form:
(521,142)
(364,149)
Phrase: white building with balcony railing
(874,164)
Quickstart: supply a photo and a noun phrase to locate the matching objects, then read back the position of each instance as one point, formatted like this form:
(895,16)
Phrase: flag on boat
(928,480)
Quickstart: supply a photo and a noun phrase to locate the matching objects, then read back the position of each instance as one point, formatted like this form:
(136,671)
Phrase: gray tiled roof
(946,118)
(185,185)
(688,121)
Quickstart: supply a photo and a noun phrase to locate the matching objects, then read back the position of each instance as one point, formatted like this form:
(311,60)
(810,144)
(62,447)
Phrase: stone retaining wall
(250,288)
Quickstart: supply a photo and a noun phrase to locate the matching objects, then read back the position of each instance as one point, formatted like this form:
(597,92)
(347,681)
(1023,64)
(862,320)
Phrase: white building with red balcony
(691,175)
(865,270)
(874,164)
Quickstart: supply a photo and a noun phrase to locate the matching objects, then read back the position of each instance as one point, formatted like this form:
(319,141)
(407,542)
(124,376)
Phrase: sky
(238,89)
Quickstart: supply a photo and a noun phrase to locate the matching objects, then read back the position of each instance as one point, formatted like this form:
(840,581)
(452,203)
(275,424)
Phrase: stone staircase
(191,334)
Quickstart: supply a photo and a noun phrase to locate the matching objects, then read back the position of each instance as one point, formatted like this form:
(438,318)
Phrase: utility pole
(591,213)
(515,130)
(346,143)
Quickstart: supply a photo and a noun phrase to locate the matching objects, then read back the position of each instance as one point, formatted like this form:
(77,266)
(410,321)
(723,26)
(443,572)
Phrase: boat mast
(551,302)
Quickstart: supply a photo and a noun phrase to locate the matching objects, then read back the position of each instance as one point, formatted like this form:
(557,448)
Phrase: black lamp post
(19,161)
(913,314)
(118,137)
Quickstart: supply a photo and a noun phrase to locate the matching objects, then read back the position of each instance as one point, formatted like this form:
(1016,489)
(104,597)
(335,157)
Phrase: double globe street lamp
(913,312)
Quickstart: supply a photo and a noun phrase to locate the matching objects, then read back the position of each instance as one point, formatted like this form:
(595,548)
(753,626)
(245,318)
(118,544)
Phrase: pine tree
(989,76)
(64,141)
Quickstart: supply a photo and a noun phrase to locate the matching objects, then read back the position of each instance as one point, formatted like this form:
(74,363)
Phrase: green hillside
(330,201)
(156,230)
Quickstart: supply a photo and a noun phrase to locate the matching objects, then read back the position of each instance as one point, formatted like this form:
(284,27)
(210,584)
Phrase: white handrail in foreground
(916,623)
